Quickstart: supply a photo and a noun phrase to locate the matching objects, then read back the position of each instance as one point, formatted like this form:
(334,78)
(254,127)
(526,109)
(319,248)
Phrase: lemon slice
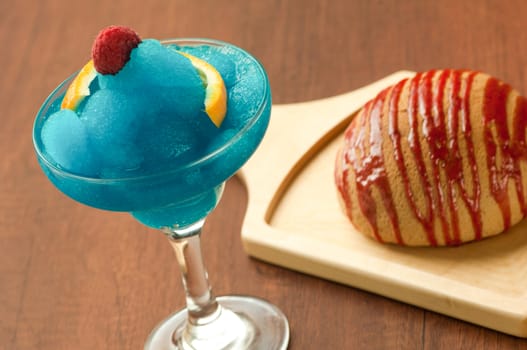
(215,91)
(79,87)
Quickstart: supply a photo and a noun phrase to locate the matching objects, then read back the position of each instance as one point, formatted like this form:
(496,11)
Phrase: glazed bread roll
(438,159)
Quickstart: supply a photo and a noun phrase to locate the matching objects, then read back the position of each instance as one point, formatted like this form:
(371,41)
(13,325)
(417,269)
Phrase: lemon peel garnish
(79,87)
(215,91)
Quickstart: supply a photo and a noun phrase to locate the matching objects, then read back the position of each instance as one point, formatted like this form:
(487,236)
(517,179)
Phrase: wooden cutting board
(293,219)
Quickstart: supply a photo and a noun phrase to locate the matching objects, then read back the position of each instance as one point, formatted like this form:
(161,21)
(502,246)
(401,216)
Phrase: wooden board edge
(509,318)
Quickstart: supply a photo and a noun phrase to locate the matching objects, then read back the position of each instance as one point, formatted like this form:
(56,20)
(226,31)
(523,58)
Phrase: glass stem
(201,304)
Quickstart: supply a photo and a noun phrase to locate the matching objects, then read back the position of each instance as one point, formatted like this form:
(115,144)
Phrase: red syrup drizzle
(440,134)
(426,219)
(434,132)
(344,157)
(364,156)
(511,149)
(454,167)
(341,174)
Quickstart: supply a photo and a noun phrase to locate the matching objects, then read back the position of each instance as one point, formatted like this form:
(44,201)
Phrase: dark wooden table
(72,277)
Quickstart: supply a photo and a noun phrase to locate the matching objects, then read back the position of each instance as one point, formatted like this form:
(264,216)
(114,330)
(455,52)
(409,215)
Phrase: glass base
(241,322)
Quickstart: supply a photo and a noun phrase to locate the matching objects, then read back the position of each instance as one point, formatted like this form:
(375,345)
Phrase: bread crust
(435,160)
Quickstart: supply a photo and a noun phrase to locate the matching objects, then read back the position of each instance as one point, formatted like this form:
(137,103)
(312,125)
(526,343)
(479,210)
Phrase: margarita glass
(176,199)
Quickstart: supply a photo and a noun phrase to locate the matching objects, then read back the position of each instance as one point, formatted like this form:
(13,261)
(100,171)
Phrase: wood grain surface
(73,277)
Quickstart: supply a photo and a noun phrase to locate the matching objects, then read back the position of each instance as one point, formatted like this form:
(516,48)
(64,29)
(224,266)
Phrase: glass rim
(170,172)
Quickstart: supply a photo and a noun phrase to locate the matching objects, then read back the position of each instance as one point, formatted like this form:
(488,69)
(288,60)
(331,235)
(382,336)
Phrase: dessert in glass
(155,128)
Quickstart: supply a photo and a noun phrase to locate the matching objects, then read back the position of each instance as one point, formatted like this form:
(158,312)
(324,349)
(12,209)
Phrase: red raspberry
(112,47)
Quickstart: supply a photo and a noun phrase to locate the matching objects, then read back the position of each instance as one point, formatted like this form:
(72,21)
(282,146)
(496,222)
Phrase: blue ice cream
(141,141)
